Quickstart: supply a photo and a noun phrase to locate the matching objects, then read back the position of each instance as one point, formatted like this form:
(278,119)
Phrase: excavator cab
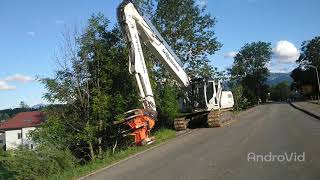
(204,94)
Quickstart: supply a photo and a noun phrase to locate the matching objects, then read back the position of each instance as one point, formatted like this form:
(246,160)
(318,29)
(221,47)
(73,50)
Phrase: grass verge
(162,135)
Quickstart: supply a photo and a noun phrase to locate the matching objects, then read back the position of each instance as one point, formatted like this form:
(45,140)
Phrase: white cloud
(31,33)
(5,86)
(286,52)
(230,54)
(59,21)
(278,67)
(19,78)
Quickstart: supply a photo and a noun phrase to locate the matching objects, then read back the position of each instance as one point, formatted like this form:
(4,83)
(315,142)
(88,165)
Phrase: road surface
(222,153)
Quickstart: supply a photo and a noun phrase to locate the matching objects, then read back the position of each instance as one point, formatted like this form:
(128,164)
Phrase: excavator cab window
(209,91)
(197,94)
(216,92)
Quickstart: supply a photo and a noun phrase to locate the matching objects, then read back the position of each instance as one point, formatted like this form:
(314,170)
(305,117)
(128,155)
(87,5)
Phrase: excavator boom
(206,95)
(134,27)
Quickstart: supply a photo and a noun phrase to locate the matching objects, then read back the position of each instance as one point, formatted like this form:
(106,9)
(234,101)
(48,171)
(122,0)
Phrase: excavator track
(220,118)
(180,124)
(212,119)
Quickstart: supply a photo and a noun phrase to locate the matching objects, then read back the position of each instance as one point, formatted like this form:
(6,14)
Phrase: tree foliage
(188,29)
(280,92)
(5,114)
(23,105)
(145,7)
(304,74)
(3,117)
(169,106)
(240,102)
(310,52)
(303,77)
(94,86)
(250,70)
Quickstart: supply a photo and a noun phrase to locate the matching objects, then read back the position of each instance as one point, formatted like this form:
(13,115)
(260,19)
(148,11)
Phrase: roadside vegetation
(92,88)
(50,163)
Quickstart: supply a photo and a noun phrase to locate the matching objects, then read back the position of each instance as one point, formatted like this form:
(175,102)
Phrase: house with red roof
(14,132)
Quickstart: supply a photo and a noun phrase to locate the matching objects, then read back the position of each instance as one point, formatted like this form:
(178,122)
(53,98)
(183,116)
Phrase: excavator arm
(207,96)
(136,28)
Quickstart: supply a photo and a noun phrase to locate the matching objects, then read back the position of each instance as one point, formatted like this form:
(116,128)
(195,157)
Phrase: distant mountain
(38,106)
(275,78)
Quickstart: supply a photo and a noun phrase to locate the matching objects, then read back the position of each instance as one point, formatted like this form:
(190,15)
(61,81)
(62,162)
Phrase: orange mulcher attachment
(140,123)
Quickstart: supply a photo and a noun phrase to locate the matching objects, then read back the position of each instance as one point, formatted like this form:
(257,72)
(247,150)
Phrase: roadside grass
(161,135)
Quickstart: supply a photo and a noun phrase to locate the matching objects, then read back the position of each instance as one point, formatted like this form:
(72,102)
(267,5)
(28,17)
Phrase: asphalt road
(222,153)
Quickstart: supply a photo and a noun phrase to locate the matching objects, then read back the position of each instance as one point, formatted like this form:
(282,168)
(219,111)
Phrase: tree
(3,117)
(310,52)
(189,31)
(94,86)
(250,70)
(280,92)
(303,77)
(145,7)
(23,105)
(310,55)
(240,102)
(169,106)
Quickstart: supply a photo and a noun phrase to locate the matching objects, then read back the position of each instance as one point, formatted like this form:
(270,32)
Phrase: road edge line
(137,154)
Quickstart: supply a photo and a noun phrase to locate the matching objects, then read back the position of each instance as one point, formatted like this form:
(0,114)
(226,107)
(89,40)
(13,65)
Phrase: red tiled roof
(23,119)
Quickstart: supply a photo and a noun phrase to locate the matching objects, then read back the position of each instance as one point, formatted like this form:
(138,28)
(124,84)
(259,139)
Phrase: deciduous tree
(310,52)
(250,69)
(94,86)
(189,30)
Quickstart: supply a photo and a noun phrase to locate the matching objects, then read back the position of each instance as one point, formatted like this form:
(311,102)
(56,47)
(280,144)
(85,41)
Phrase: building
(14,132)
(2,139)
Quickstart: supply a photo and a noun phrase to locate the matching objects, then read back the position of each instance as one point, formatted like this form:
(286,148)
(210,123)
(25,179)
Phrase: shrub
(240,101)
(169,107)
(39,163)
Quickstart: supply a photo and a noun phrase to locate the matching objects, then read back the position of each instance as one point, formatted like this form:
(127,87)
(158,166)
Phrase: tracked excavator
(204,98)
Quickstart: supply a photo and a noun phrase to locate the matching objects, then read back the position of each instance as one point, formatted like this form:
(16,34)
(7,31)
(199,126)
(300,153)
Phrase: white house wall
(26,139)
(12,140)
(3,139)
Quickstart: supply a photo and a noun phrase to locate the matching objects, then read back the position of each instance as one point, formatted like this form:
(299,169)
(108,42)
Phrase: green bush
(39,163)
(169,107)
(240,101)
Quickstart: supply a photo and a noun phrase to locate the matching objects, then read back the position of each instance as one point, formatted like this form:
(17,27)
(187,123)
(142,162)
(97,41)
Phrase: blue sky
(30,33)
